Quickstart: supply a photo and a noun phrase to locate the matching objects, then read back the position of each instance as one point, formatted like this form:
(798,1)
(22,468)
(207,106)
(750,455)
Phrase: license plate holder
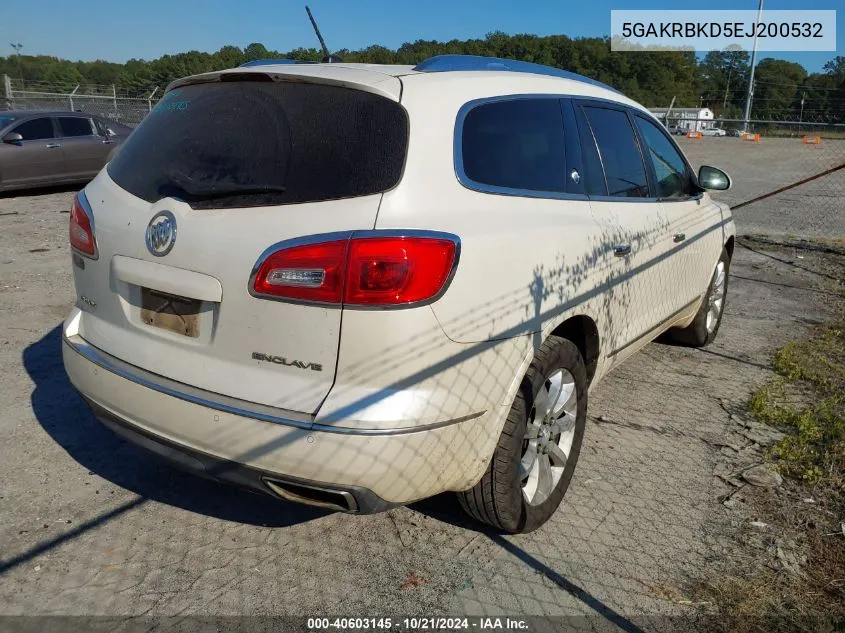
(169,312)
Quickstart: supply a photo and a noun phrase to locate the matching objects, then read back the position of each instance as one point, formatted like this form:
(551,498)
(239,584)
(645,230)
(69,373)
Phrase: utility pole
(801,115)
(727,85)
(18,48)
(750,96)
(668,112)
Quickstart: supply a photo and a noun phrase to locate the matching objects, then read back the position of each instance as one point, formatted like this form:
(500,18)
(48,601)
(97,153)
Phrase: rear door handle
(679,237)
(622,250)
(53,145)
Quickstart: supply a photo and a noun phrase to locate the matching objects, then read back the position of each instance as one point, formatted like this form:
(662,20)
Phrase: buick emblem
(161,233)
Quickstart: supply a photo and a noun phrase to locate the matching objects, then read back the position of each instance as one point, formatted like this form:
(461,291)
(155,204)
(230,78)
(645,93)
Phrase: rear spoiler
(329,74)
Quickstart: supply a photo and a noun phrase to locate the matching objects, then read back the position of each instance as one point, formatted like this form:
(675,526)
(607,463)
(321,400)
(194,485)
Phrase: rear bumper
(346,499)
(376,469)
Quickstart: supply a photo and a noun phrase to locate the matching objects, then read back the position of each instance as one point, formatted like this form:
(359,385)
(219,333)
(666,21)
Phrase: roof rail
(447,63)
(270,62)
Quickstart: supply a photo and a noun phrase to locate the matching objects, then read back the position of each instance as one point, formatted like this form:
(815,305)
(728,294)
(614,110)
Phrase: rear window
(258,143)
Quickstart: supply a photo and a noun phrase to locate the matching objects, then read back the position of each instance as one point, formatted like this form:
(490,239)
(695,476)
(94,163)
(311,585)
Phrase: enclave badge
(161,233)
(280,360)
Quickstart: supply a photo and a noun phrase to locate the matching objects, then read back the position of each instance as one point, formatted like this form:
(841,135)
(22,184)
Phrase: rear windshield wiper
(219,189)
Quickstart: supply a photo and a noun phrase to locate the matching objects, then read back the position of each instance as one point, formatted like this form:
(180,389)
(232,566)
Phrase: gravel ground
(90,525)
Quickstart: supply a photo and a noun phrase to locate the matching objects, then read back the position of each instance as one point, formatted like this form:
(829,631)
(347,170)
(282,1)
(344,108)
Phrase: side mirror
(12,138)
(713,178)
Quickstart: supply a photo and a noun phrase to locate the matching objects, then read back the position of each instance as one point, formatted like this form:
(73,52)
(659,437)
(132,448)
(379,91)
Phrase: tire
(705,326)
(511,496)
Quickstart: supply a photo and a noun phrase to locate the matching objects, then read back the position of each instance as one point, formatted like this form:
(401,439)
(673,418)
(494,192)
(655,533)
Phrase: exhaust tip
(330,499)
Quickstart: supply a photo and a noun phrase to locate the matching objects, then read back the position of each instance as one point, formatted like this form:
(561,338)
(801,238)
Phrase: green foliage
(719,81)
(722,80)
(814,449)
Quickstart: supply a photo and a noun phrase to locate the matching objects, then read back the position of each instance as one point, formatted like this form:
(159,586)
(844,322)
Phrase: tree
(777,90)
(256,51)
(722,80)
(719,80)
(834,81)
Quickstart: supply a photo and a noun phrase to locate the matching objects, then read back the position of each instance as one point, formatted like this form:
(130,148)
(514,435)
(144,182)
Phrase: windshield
(257,143)
(6,119)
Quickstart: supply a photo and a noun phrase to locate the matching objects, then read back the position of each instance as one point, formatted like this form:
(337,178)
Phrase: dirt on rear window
(259,143)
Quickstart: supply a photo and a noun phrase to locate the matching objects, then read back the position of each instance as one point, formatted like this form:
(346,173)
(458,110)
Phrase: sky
(117,31)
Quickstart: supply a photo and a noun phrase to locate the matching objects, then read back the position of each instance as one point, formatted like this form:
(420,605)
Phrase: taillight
(311,272)
(366,270)
(396,270)
(82,227)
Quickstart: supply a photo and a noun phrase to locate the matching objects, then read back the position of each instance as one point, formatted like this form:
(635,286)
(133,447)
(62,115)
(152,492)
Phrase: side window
(623,164)
(75,126)
(36,129)
(673,179)
(517,144)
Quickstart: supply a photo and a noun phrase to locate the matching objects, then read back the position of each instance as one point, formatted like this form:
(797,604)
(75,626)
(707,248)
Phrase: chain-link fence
(125,106)
(784,171)
(788,176)
(634,523)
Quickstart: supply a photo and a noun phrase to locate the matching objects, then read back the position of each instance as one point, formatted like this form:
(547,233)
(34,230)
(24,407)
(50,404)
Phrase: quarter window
(620,156)
(516,144)
(75,126)
(673,180)
(36,129)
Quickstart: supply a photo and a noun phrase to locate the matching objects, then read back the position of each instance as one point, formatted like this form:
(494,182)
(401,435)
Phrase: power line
(803,86)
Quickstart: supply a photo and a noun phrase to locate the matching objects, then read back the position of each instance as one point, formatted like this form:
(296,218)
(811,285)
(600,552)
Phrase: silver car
(54,148)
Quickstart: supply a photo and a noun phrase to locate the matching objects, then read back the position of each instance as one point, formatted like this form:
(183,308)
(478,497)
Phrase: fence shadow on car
(517,313)
(550,292)
(63,414)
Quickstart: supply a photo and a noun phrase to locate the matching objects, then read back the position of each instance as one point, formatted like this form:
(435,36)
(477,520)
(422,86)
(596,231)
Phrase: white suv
(356,286)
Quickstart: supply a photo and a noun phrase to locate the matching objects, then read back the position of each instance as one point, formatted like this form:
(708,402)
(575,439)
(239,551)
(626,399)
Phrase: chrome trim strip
(345,430)
(185,392)
(350,235)
(655,328)
(622,199)
(228,404)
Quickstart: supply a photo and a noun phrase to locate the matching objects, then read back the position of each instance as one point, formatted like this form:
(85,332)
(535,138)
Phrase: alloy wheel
(549,435)
(717,297)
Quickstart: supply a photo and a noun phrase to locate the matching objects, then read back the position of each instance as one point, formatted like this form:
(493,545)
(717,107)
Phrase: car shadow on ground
(65,416)
(42,191)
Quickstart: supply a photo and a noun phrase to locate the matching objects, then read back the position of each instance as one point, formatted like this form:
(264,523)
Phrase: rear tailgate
(239,167)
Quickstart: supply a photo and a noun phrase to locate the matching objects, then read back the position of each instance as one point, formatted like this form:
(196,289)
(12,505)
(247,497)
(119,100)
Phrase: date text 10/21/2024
(418,624)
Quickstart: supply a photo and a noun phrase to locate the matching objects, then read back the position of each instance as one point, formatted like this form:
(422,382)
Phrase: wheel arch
(729,246)
(583,331)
